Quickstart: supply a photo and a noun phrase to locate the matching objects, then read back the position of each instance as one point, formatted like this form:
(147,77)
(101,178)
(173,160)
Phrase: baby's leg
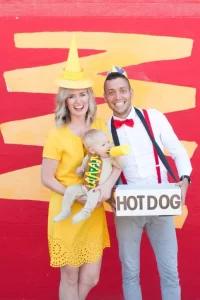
(91,203)
(70,195)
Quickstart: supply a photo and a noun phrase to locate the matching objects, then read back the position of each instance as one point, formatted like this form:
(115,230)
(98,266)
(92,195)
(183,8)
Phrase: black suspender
(159,151)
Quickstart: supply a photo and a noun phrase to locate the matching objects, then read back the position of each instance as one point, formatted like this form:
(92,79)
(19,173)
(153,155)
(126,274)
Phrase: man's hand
(105,190)
(184,186)
(106,187)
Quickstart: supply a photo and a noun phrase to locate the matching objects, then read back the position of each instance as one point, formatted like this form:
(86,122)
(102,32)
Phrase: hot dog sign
(148,200)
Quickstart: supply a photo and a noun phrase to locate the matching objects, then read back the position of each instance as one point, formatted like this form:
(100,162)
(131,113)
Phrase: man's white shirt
(140,164)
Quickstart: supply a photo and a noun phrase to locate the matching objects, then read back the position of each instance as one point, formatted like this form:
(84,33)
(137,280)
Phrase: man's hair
(90,136)
(115,75)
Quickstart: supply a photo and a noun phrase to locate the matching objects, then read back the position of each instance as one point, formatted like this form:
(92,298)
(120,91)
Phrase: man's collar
(131,115)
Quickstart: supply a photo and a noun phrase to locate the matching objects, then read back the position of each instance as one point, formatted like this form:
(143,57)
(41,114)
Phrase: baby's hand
(79,171)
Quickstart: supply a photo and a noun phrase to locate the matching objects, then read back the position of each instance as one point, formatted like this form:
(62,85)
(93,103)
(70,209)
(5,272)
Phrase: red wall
(25,271)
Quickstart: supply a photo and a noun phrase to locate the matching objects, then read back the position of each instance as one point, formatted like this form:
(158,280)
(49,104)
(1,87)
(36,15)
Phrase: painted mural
(160,63)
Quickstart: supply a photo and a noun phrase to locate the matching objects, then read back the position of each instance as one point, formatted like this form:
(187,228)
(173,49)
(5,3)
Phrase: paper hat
(116,69)
(73,76)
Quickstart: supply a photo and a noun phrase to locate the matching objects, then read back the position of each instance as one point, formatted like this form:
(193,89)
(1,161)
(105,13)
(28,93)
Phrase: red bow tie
(127,122)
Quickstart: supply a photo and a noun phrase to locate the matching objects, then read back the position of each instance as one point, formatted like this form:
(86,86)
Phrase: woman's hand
(81,199)
(80,171)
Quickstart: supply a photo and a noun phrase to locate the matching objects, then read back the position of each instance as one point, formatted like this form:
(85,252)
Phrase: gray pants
(162,235)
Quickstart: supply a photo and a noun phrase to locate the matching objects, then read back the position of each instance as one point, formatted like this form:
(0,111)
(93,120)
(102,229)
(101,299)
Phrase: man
(140,167)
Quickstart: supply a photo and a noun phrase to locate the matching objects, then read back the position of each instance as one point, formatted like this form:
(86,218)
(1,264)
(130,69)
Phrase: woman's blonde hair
(62,113)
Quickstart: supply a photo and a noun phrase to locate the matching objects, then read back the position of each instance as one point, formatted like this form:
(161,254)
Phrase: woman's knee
(90,280)
(69,275)
(89,274)
(94,280)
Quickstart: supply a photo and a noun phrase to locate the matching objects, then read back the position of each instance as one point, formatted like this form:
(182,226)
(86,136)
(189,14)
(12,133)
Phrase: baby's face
(102,145)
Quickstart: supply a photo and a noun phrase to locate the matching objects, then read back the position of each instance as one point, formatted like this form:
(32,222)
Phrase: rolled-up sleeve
(174,147)
(53,146)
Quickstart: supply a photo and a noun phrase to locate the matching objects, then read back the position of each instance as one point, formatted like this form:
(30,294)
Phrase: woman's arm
(48,171)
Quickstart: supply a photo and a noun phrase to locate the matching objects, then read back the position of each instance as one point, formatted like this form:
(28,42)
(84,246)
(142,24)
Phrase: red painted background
(24,262)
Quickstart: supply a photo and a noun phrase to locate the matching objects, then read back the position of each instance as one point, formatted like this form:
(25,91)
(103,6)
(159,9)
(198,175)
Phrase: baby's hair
(90,136)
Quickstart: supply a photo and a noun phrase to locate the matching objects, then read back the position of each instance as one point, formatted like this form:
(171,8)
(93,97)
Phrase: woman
(76,249)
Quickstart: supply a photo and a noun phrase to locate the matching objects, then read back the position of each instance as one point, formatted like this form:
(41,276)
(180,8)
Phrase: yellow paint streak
(179,220)
(164,97)
(134,45)
(189,146)
(24,184)
(34,131)
(31,131)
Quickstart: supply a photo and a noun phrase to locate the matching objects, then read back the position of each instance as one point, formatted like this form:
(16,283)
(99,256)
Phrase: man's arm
(118,162)
(177,152)
(174,146)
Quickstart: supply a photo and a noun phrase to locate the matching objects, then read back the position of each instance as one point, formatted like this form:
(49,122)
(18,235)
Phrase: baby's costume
(96,171)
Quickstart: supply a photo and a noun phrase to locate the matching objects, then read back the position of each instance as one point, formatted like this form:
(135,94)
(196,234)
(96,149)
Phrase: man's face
(118,95)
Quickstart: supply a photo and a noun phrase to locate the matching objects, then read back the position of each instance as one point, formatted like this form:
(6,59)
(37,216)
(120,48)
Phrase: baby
(95,169)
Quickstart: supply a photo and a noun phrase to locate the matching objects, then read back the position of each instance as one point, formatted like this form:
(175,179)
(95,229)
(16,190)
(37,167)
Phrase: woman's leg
(88,278)
(68,289)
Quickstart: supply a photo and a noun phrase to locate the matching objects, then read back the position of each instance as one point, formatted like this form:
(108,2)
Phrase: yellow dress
(73,244)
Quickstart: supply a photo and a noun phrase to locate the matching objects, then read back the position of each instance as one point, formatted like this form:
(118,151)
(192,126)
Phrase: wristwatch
(185,176)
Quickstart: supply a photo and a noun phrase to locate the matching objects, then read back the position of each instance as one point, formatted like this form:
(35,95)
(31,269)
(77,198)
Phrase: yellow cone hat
(73,76)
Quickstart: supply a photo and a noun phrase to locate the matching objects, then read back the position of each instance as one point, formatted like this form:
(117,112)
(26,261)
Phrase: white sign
(148,200)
